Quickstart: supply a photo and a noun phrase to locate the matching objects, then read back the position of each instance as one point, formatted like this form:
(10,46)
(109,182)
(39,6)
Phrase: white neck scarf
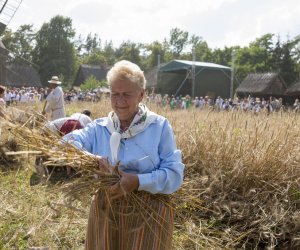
(143,118)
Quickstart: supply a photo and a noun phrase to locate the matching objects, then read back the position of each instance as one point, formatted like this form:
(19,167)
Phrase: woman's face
(125,98)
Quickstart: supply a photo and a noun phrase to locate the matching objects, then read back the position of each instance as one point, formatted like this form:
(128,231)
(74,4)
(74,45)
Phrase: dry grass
(247,175)
(241,186)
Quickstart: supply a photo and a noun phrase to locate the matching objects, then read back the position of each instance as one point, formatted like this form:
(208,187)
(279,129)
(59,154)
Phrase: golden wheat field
(241,187)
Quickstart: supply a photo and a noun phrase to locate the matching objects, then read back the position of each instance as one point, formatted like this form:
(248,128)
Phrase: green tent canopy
(175,78)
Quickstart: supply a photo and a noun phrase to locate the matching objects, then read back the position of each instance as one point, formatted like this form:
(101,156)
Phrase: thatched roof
(18,75)
(3,54)
(270,84)
(2,45)
(293,90)
(85,71)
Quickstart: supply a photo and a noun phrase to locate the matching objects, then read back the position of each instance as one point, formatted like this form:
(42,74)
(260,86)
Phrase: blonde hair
(125,70)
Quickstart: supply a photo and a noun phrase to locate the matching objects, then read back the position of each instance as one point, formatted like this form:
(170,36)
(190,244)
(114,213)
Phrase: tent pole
(232,75)
(193,74)
(187,75)
(158,67)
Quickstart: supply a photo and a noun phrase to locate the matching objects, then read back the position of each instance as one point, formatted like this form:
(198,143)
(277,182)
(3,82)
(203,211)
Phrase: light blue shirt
(151,154)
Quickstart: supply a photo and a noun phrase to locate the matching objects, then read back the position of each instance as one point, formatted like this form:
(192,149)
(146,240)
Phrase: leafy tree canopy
(92,83)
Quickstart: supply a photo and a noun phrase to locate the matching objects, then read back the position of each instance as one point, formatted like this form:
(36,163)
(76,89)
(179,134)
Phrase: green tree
(276,56)
(129,51)
(55,50)
(92,83)
(178,40)
(95,58)
(296,54)
(261,53)
(202,52)
(155,50)
(223,56)
(79,46)
(288,67)
(92,43)
(285,59)
(195,40)
(20,44)
(109,53)
(257,58)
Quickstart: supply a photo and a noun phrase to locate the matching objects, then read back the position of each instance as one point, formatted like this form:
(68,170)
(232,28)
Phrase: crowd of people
(17,96)
(254,104)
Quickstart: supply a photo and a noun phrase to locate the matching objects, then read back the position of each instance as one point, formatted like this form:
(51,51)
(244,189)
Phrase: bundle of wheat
(29,118)
(7,144)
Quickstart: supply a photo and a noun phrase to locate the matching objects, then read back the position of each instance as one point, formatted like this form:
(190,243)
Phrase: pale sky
(219,22)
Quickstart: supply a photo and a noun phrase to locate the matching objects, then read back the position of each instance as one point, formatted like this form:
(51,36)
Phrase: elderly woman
(144,144)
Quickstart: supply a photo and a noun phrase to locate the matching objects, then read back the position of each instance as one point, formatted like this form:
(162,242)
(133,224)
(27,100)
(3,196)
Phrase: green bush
(92,83)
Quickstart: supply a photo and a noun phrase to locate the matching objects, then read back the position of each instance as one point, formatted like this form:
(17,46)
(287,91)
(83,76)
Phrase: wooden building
(21,75)
(3,62)
(264,85)
(293,92)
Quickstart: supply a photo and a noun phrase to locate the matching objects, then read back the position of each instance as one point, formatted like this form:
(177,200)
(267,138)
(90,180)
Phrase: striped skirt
(140,221)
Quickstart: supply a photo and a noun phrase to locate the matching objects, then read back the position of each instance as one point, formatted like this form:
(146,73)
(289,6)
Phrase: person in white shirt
(8,97)
(55,100)
(13,97)
(65,125)
(24,96)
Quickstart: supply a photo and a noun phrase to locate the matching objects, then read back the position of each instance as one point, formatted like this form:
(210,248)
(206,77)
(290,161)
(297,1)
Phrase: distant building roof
(85,71)
(2,45)
(293,89)
(262,84)
(18,75)
(3,55)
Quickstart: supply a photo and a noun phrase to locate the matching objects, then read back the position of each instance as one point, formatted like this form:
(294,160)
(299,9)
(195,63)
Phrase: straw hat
(55,80)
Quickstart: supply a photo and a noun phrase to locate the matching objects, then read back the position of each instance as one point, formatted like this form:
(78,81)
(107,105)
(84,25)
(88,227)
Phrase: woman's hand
(127,184)
(104,165)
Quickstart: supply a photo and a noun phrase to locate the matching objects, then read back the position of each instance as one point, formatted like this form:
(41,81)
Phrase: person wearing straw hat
(54,104)
(142,146)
